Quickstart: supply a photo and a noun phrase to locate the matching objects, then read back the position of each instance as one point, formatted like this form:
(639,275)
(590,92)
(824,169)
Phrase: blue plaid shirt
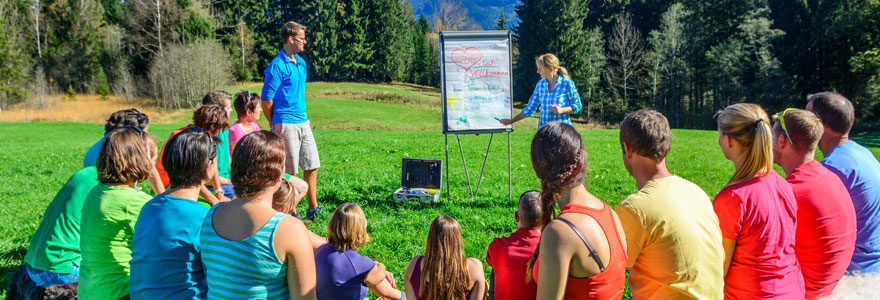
(564,94)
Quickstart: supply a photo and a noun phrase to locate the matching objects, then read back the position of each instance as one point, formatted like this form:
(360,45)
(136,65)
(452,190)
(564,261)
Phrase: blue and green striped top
(246,269)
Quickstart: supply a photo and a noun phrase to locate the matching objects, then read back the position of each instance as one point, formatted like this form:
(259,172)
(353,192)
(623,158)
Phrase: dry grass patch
(88,108)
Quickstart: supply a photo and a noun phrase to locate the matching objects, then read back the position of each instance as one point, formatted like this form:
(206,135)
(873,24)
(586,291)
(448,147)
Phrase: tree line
(686,58)
(689,59)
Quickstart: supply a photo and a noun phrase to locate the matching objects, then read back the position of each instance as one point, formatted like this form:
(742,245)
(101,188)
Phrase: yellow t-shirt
(674,242)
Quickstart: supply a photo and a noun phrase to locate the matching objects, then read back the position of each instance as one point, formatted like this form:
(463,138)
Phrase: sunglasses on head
(782,123)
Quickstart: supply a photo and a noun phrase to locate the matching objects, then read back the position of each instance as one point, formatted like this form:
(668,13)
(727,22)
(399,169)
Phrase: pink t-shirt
(760,215)
(236,132)
(826,229)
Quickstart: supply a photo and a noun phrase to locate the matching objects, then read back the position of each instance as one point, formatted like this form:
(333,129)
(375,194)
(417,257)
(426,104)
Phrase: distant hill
(484,12)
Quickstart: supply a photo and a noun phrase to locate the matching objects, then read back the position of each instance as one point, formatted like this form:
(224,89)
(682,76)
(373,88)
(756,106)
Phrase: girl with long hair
(756,210)
(582,253)
(444,273)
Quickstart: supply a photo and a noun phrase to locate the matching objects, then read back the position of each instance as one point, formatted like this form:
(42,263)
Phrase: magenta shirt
(236,132)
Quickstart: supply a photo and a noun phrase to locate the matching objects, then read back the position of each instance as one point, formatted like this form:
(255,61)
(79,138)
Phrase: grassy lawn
(361,164)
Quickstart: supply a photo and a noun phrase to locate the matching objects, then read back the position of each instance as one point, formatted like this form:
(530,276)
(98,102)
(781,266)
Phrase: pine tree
(355,59)
(501,23)
(323,27)
(424,58)
(388,29)
(668,52)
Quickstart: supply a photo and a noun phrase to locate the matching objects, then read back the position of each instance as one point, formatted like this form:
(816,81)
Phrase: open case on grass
(420,180)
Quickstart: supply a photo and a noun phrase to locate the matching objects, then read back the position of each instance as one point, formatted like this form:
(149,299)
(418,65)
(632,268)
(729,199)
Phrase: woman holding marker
(555,93)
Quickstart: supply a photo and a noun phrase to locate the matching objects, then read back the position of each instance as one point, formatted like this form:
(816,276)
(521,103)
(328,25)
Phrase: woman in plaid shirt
(555,93)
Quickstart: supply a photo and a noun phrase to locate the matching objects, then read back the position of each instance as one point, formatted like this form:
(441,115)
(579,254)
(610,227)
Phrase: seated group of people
(763,236)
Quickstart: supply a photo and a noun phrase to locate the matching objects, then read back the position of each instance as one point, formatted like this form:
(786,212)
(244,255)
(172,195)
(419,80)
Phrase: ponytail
(749,126)
(563,72)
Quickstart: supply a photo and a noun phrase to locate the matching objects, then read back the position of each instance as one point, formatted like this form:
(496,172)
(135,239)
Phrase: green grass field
(362,164)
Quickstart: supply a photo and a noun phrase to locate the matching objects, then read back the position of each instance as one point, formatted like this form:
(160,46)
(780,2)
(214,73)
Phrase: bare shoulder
(290,233)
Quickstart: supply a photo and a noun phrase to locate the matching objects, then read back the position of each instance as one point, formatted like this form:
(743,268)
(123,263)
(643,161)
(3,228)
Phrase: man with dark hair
(284,105)
(211,118)
(165,257)
(509,256)
(857,168)
(673,237)
(826,220)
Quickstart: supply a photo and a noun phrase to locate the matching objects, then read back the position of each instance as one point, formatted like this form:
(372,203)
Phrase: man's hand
(556,109)
(506,121)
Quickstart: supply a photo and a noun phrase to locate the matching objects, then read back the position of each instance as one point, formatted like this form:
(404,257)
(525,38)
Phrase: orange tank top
(608,284)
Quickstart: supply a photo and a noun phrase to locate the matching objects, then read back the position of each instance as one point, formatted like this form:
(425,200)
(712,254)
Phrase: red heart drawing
(466,58)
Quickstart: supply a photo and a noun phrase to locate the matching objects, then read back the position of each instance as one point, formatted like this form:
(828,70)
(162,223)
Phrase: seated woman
(582,253)
(247,107)
(250,250)
(54,256)
(165,260)
(444,272)
(756,210)
(342,272)
(109,214)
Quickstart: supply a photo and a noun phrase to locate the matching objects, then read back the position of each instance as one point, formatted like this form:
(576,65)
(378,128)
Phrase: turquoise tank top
(246,269)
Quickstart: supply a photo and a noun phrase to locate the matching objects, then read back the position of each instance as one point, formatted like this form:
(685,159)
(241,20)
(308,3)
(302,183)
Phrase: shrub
(182,74)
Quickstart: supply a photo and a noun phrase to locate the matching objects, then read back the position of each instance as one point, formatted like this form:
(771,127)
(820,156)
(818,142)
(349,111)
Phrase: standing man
(826,220)
(859,171)
(674,248)
(284,105)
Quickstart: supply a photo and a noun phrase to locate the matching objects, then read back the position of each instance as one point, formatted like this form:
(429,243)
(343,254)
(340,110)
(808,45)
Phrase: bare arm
(475,272)
(554,261)
(515,119)
(267,110)
(155,181)
(208,196)
(300,260)
(378,284)
(729,245)
(316,240)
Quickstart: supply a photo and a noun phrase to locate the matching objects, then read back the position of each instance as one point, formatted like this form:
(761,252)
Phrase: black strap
(593,252)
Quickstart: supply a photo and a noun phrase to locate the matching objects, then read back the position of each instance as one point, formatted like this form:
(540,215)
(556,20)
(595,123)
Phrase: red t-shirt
(826,228)
(161,169)
(760,214)
(509,257)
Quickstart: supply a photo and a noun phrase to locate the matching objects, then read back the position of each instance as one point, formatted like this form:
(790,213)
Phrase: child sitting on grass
(284,200)
(247,107)
(210,118)
(342,273)
(509,256)
(165,247)
(109,214)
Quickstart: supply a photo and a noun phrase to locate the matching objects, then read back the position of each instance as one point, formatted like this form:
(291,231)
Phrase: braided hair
(559,159)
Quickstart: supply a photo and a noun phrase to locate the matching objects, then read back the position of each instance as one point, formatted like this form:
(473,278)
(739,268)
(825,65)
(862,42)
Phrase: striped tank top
(246,269)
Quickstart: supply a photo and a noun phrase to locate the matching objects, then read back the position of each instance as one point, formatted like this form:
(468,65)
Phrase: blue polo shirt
(860,172)
(285,86)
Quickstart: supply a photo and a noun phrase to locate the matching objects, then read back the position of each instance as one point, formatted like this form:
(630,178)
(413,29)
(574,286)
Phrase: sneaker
(310,213)
(296,215)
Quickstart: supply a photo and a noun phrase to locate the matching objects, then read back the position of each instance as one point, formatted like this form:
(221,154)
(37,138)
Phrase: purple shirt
(340,275)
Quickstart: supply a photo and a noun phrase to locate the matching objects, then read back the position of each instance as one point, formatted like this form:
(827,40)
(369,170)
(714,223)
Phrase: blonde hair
(347,228)
(550,61)
(749,126)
